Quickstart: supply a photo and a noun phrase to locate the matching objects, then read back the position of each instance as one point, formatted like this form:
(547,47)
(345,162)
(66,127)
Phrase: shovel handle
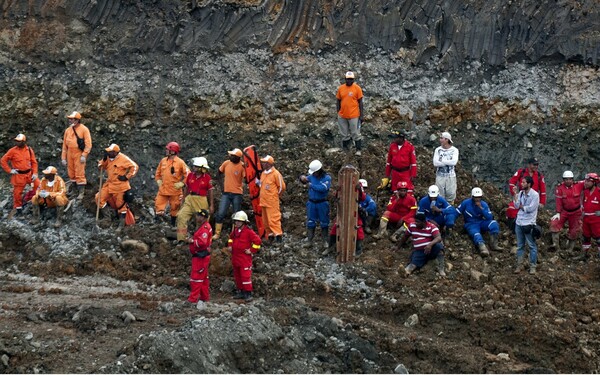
(98,200)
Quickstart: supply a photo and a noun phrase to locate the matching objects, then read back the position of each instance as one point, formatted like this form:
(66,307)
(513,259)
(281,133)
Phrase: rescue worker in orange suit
(52,192)
(233,174)
(401,162)
(400,210)
(119,169)
(272,187)
(539,184)
(77,144)
(200,251)
(21,164)
(170,176)
(568,209)
(591,214)
(197,195)
(243,243)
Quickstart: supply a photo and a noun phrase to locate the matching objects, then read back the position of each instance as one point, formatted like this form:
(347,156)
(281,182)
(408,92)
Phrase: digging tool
(96,228)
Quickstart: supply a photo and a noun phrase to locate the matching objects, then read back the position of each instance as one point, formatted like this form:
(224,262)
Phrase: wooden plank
(347,214)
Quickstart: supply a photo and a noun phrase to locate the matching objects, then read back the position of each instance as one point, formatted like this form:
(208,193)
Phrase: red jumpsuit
(360,233)
(401,164)
(539,184)
(200,250)
(591,222)
(240,240)
(568,205)
(23,160)
(400,208)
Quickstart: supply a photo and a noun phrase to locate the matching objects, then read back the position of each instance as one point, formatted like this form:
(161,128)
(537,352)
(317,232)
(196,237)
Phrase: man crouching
(427,244)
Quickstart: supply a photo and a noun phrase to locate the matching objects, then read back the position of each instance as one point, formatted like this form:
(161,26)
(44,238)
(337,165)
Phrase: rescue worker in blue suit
(369,208)
(437,209)
(317,207)
(479,219)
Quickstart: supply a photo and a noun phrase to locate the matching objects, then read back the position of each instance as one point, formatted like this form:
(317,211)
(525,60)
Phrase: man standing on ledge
(350,113)
(77,144)
(445,158)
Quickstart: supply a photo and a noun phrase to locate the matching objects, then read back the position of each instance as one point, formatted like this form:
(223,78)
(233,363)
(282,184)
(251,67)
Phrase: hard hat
(113,147)
(173,146)
(402,185)
(240,216)
(433,191)
(49,170)
(200,162)
(235,152)
(363,182)
(21,138)
(477,192)
(568,174)
(397,134)
(592,176)
(350,74)
(75,115)
(268,159)
(202,212)
(314,166)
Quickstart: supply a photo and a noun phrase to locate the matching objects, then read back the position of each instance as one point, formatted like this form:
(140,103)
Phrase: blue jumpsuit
(317,207)
(478,220)
(369,206)
(445,218)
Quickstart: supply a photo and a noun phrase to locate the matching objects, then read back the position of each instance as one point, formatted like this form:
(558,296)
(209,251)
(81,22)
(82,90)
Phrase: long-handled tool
(96,229)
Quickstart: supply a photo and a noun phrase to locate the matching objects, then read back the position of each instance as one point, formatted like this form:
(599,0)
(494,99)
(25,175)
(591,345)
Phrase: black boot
(346,145)
(358,248)
(310,234)
(247,296)
(173,221)
(358,145)
(238,295)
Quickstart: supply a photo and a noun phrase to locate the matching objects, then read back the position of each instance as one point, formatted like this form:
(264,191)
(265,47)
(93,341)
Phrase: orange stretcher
(253,170)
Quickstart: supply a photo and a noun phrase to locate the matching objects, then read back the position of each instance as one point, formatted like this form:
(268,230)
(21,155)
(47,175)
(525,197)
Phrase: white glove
(555,217)
(597,213)
(82,159)
(14,171)
(33,177)
(257,182)
(44,193)
(64,162)
(159,183)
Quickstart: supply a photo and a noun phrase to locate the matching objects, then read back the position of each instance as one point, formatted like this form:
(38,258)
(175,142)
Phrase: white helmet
(433,191)
(363,182)
(240,216)
(314,166)
(200,162)
(568,174)
(477,192)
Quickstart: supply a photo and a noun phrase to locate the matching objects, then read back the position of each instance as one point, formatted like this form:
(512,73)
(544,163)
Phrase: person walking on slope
(272,187)
(445,158)
(539,183)
(317,207)
(119,169)
(52,192)
(350,112)
(591,214)
(170,176)
(233,174)
(200,251)
(76,147)
(21,164)
(479,219)
(568,196)
(243,243)
(527,201)
(400,210)
(197,195)
(427,244)
(401,162)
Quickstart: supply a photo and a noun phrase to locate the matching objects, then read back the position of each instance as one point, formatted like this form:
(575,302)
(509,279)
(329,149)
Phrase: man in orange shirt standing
(77,144)
(233,172)
(350,112)
(271,187)
(170,177)
(20,162)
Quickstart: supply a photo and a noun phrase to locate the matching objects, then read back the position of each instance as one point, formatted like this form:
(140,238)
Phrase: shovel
(96,229)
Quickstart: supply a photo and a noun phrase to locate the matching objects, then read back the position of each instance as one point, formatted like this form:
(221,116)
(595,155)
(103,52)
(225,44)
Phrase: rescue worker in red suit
(400,210)
(591,214)
(568,209)
(200,251)
(401,162)
(243,243)
(21,164)
(539,184)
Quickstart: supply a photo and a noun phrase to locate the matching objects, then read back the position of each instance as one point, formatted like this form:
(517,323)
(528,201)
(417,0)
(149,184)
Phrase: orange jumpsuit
(57,190)
(72,153)
(271,188)
(170,171)
(113,188)
(23,160)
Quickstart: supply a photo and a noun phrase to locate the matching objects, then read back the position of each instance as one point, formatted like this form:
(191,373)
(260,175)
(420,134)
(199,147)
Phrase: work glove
(122,178)
(178,185)
(82,159)
(597,213)
(44,193)
(159,183)
(33,177)
(257,182)
(555,217)
(64,162)
(14,171)
(384,183)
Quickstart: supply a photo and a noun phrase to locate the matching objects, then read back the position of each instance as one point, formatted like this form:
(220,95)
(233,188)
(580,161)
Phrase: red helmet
(401,185)
(592,176)
(173,146)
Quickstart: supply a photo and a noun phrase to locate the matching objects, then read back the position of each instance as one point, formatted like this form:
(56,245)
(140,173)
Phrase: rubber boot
(310,234)
(382,229)
(121,222)
(218,228)
(556,241)
(238,295)
(519,267)
(107,212)
(346,145)
(247,296)
(359,248)
(483,250)
(173,221)
(532,269)
(60,211)
(441,265)
(410,269)
(36,215)
(279,239)
(81,189)
(358,145)
(570,245)
(325,238)
(398,234)
(494,243)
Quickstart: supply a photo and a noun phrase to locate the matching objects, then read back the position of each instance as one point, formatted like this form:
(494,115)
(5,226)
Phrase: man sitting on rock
(427,244)
(52,192)
(478,219)
(400,210)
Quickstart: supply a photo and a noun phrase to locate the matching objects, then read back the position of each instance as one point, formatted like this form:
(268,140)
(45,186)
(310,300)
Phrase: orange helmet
(21,138)
(50,170)
(235,152)
(113,147)
(75,115)
(402,185)
(173,146)
(592,176)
